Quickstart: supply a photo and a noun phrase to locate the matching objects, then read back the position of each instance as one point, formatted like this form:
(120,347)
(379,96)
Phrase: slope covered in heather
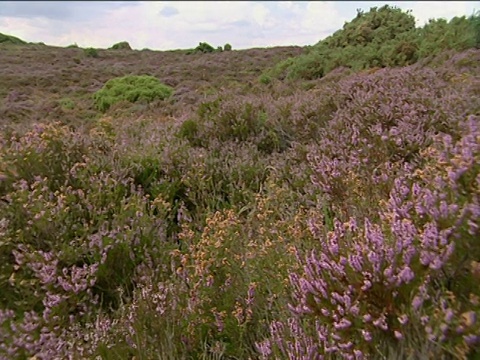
(208,205)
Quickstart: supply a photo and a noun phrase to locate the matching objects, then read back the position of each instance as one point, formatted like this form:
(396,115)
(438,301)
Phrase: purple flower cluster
(368,276)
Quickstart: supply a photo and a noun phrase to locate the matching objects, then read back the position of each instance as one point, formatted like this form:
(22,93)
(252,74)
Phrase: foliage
(227,47)
(9,39)
(91,52)
(143,88)
(382,37)
(67,104)
(123,45)
(204,47)
(265,79)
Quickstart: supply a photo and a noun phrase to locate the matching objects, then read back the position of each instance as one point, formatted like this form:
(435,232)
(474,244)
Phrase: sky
(168,25)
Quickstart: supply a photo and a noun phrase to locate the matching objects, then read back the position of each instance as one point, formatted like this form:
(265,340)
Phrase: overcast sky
(166,25)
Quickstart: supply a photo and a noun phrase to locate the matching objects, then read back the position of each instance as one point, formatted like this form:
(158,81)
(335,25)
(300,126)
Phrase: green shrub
(72,46)
(383,37)
(227,47)
(67,104)
(131,88)
(475,21)
(439,35)
(10,40)
(204,48)
(189,130)
(123,45)
(91,52)
(280,69)
(265,79)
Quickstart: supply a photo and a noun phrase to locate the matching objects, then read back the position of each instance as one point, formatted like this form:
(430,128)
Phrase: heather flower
(403,320)
(471,340)
(367,335)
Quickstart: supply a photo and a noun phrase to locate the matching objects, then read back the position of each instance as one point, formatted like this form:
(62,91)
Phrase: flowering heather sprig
(363,277)
(65,240)
(386,119)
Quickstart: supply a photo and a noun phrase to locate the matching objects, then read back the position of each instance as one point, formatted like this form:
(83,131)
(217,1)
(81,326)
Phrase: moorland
(316,202)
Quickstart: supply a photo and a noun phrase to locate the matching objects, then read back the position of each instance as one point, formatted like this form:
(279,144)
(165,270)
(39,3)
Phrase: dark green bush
(8,39)
(382,37)
(123,45)
(475,20)
(204,48)
(131,88)
(227,47)
(439,35)
(91,52)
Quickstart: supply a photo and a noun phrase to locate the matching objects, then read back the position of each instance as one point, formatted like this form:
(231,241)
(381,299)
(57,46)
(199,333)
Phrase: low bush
(131,88)
(67,104)
(9,39)
(204,47)
(91,52)
(123,45)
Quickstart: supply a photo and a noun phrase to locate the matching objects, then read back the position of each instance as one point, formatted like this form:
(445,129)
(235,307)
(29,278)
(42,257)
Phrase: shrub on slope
(130,88)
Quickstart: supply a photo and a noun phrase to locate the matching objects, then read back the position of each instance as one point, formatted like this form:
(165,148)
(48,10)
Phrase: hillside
(313,202)
(59,76)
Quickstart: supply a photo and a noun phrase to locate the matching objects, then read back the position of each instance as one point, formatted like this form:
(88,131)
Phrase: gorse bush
(131,88)
(123,45)
(204,48)
(9,39)
(382,37)
(91,52)
(437,35)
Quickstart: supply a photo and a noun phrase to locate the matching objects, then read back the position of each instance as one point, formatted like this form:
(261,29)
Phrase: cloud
(168,11)
(167,25)
(60,10)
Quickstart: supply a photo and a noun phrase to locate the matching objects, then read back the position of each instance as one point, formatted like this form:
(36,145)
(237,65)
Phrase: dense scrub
(122,45)
(9,39)
(131,88)
(335,218)
(382,37)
